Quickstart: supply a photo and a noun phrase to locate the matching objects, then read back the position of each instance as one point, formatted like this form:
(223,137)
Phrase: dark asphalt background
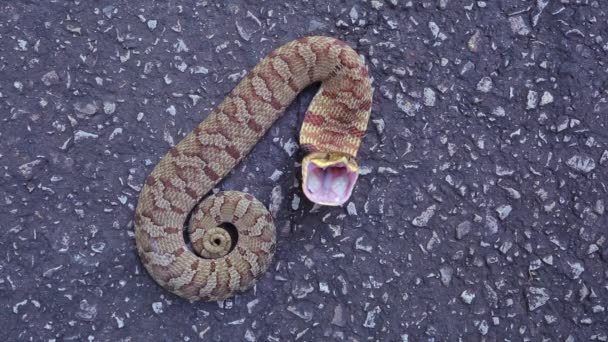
(480,213)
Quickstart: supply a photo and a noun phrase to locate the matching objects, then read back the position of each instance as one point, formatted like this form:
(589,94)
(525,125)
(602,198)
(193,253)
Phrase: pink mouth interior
(331,185)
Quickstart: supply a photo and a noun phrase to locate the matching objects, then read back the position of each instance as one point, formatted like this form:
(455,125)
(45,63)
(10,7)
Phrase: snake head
(328,178)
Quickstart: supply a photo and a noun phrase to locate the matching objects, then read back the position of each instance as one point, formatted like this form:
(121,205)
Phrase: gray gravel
(480,213)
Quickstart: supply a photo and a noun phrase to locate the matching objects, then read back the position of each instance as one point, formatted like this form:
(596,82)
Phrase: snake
(202,244)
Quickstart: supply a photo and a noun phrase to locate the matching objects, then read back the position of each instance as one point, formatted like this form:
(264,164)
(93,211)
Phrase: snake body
(217,265)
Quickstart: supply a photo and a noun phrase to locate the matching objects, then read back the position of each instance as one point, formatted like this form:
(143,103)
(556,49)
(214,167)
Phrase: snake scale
(217,264)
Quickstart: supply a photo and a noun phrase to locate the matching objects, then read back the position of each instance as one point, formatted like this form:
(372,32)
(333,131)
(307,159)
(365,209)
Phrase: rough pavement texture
(481,213)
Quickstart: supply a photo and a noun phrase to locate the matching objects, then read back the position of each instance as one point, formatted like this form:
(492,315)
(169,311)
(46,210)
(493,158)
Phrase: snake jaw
(328,178)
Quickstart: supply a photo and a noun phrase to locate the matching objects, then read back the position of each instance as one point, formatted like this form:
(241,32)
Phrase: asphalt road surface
(480,213)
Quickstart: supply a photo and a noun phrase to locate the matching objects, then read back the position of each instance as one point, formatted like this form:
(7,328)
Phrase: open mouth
(328,178)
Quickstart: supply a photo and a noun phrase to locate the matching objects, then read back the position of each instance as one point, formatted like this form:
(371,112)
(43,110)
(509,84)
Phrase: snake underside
(218,264)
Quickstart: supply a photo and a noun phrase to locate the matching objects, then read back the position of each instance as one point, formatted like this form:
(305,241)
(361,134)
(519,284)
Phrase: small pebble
(463,229)
(467,296)
(532,99)
(485,84)
(50,78)
(370,320)
(546,98)
(519,26)
(446,275)
(425,216)
(503,211)
(537,297)
(157,307)
(581,163)
(429,97)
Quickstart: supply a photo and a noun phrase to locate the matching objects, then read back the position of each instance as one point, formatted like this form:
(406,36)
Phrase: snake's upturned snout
(329,178)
